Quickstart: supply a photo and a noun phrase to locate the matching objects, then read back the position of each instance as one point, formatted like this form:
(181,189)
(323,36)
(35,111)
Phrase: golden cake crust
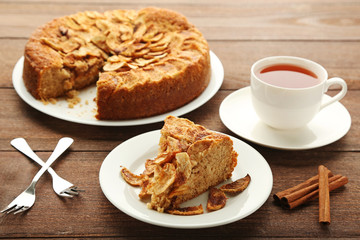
(145,62)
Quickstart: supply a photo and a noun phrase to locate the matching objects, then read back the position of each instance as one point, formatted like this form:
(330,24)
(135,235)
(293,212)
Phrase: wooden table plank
(241,20)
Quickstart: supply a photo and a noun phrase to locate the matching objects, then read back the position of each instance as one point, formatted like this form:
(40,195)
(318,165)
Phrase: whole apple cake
(144,62)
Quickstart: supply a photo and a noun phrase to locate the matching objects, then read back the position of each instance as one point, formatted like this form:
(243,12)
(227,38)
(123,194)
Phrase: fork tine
(14,209)
(21,210)
(9,207)
(71,192)
(75,189)
(64,194)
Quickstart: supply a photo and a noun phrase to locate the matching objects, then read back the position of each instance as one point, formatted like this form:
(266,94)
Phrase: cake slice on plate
(191,160)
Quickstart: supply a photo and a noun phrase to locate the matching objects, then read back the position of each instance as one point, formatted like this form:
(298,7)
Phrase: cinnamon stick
(324,195)
(305,191)
(308,190)
(286,193)
(334,183)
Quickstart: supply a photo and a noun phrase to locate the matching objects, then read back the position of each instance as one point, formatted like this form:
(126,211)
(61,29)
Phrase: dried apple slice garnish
(216,200)
(186,211)
(132,179)
(238,186)
(113,66)
(164,177)
(183,168)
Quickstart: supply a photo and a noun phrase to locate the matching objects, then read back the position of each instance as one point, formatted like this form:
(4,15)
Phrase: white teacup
(288,107)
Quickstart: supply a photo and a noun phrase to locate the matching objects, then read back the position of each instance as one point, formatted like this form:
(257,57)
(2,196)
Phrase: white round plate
(84,112)
(132,155)
(330,124)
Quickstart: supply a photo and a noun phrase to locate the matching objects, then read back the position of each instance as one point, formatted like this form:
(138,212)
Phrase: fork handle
(63,144)
(21,145)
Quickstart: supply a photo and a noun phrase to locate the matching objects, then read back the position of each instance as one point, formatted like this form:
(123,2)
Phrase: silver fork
(61,187)
(26,199)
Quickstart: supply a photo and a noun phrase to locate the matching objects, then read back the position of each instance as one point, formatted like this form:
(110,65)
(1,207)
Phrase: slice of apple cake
(191,159)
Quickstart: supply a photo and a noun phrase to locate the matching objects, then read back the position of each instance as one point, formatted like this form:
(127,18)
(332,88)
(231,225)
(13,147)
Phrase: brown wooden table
(239,32)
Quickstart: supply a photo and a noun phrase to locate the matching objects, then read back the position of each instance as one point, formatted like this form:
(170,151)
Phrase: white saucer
(328,126)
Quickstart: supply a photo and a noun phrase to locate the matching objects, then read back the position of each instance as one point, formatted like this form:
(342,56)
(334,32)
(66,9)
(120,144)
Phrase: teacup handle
(337,97)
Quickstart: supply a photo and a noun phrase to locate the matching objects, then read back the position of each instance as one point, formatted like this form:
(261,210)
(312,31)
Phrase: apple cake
(191,160)
(144,62)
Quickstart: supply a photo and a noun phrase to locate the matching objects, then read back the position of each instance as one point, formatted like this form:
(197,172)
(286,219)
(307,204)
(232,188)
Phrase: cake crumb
(44,101)
(72,93)
(72,98)
(53,100)
(50,100)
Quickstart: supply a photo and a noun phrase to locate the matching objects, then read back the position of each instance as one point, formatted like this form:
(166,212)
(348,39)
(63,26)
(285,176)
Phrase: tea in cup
(287,92)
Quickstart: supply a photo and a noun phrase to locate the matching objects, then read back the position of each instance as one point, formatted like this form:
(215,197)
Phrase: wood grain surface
(239,33)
